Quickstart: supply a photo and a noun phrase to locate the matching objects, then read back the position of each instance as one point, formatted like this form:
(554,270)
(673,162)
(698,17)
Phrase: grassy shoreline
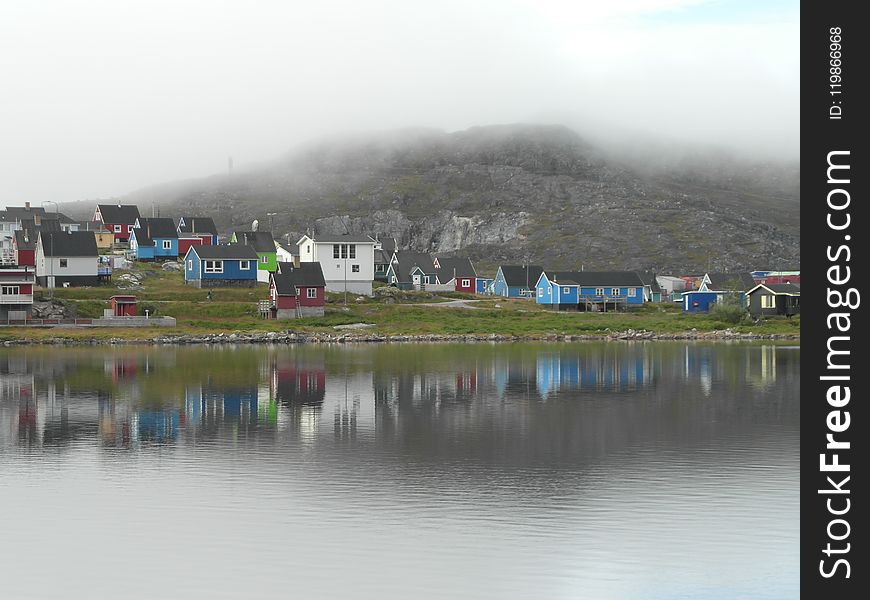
(233,311)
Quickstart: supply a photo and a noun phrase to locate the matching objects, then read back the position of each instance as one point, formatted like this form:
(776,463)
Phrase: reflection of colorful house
(563,371)
(157,425)
(298,382)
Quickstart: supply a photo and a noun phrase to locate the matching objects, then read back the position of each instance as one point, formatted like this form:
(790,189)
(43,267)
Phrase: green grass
(235,310)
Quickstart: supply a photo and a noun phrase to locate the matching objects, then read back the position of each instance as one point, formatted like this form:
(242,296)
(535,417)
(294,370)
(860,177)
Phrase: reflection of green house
(263,245)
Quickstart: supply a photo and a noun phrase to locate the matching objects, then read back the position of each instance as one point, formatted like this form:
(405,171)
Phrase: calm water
(401,471)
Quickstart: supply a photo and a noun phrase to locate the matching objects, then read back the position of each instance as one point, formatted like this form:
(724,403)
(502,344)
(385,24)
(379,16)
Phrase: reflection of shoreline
(134,398)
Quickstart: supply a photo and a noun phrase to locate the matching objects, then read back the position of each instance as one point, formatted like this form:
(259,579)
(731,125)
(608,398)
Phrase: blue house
(698,301)
(154,239)
(589,290)
(221,266)
(484,285)
(715,287)
(516,281)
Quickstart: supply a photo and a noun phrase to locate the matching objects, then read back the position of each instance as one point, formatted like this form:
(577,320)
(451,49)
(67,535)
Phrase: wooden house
(264,245)
(409,270)
(234,265)
(516,281)
(16,293)
(24,248)
(456,272)
(769,299)
(589,290)
(118,218)
(201,228)
(154,238)
(296,291)
(66,259)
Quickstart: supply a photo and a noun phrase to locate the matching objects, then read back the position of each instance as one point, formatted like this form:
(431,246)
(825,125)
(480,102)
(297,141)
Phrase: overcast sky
(101,97)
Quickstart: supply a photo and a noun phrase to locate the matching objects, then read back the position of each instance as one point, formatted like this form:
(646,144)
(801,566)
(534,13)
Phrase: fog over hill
(511,193)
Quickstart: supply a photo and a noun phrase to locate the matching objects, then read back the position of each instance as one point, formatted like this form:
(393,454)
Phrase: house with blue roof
(589,290)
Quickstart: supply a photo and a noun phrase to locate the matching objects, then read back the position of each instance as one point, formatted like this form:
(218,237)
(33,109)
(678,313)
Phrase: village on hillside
(48,250)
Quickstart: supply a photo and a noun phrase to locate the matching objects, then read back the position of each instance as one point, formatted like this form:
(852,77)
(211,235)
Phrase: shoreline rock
(291,337)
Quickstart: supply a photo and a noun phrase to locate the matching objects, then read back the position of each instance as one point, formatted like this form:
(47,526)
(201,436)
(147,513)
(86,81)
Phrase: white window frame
(465,283)
(244,265)
(599,291)
(10,290)
(425,279)
(264,259)
(632,292)
(167,244)
(768,301)
(540,292)
(117,228)
(129,229)
(566,289)
(351,251)
(354,268)
(213,266)
(615,292)
(311,292)
(190,264)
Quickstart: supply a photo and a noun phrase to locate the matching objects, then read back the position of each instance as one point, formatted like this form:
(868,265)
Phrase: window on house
(190,265)
(614,292)
(566,290)
(10,290)
(380,268)
(117,229)
(307,249)
(426,279)
(466,283)
(632,292)
(64,263)
(352,251)
(167,245)
(245,265)
(129,228)
(214,266)
(354,268)
(540,292)
(599,291)
(311,293)
(264,259)
(336,249)
(768,301)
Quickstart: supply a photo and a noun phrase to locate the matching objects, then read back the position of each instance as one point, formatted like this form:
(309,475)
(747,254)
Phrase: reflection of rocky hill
(501,193)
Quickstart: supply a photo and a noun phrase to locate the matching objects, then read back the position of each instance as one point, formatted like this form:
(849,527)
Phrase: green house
(263,244)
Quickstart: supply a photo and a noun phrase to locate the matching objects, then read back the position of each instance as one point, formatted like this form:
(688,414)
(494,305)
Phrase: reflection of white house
(347,261)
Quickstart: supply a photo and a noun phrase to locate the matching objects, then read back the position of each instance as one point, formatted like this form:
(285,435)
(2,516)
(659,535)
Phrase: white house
(66,258)
(347,261)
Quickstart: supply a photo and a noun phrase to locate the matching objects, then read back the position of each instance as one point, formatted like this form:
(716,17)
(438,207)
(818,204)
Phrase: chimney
(37,219)
(27,206)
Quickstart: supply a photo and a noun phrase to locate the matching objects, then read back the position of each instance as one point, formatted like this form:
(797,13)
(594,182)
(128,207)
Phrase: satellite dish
(255,226)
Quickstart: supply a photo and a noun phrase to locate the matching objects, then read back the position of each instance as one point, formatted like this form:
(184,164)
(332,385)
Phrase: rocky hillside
(507,193)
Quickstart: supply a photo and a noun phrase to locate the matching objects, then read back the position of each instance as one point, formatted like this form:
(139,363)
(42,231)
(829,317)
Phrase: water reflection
(626,470)
(133,397)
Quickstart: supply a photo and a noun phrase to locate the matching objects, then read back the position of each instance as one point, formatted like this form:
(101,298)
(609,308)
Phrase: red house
(16,293)
(457,271)
(123,305)
(24,248)
(296,292)
(117,218)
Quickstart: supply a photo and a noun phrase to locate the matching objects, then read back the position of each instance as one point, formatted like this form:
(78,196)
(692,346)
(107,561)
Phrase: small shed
(123,306)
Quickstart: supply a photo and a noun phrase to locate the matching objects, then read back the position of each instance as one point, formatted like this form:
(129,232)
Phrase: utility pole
(51,251)
(271,228)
